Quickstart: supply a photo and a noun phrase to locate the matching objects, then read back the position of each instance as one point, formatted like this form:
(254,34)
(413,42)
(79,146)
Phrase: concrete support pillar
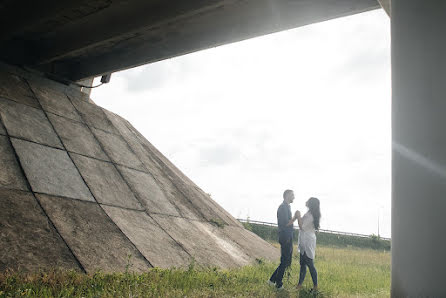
(418,148)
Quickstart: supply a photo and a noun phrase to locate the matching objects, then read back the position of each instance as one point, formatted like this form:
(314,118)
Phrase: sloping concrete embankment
(81,189)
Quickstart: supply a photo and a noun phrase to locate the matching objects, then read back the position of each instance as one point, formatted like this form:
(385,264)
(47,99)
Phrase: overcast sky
(306,109)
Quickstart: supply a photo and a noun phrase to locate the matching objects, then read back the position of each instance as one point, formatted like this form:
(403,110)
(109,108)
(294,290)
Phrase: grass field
(343,272)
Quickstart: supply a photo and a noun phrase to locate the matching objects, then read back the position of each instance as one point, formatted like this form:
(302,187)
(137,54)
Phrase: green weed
(343,272)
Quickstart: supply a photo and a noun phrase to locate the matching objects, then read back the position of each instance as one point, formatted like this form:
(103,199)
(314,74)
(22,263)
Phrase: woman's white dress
(306,241)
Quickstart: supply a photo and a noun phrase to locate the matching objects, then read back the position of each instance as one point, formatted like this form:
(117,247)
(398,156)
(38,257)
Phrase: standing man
(285,223)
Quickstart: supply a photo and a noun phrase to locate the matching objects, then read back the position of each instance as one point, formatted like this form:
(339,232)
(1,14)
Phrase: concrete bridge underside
(78,39)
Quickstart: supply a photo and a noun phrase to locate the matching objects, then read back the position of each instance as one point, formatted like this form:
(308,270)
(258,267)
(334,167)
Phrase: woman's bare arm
(299,218)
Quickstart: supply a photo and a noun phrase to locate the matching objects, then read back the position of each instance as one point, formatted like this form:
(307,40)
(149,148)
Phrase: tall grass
(343,272)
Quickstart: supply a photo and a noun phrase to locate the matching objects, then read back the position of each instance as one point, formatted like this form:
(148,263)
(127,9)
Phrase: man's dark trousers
(286,253)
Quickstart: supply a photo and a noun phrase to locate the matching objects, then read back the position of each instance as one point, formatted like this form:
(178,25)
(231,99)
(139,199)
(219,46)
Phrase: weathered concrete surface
(107,190)
(10,173)
(165,180)
(77,137)
(182,205)
(93,115)
(105,183)
(153,242)
(16,89)
(131,139)
(2,128)
(206,250)
(95,240)
(50,171)
(28,123)
(230,247)
(28,242)
(200,201)
(176,198)
(117,149)
(147,190)
(54,101)
(253,245)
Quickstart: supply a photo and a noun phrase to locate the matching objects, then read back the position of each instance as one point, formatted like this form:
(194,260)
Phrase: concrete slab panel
(50,171)
(148,191)
(182,205)
(157,164)
(28,242)
(77,137)
(117,149)
(14,88)
(93,115)
(252,244)
(77,94)
(184,192)
(105,183)
(95,240)
(54,101)
(201,201)
(157,155)
(225,243)
(131,139)
(2,128)
(121,125)
(10,174)
(206,249)
(29,123)
(154,243)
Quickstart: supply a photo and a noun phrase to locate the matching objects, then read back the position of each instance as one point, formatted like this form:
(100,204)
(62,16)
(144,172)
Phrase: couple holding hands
(308,224)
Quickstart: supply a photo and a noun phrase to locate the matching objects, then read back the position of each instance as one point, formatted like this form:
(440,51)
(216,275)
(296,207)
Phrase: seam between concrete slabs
(104,204)
(44,110)
(9,99)
(108,161)
(131,188)
(100,145)
(166,169)
(19,103)
(46,115)
(85,124)
(81,154)
(112,163)
(110,205)
(160,162)
(3,126)
(82,122)
(30,74)
(135,193)
(41,207)
(148,172)
(162,170)
(130,209)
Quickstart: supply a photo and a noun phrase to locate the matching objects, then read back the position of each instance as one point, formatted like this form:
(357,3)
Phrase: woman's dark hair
(313,206)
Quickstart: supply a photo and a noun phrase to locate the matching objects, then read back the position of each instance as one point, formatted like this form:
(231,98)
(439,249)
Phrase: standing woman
(308,224)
